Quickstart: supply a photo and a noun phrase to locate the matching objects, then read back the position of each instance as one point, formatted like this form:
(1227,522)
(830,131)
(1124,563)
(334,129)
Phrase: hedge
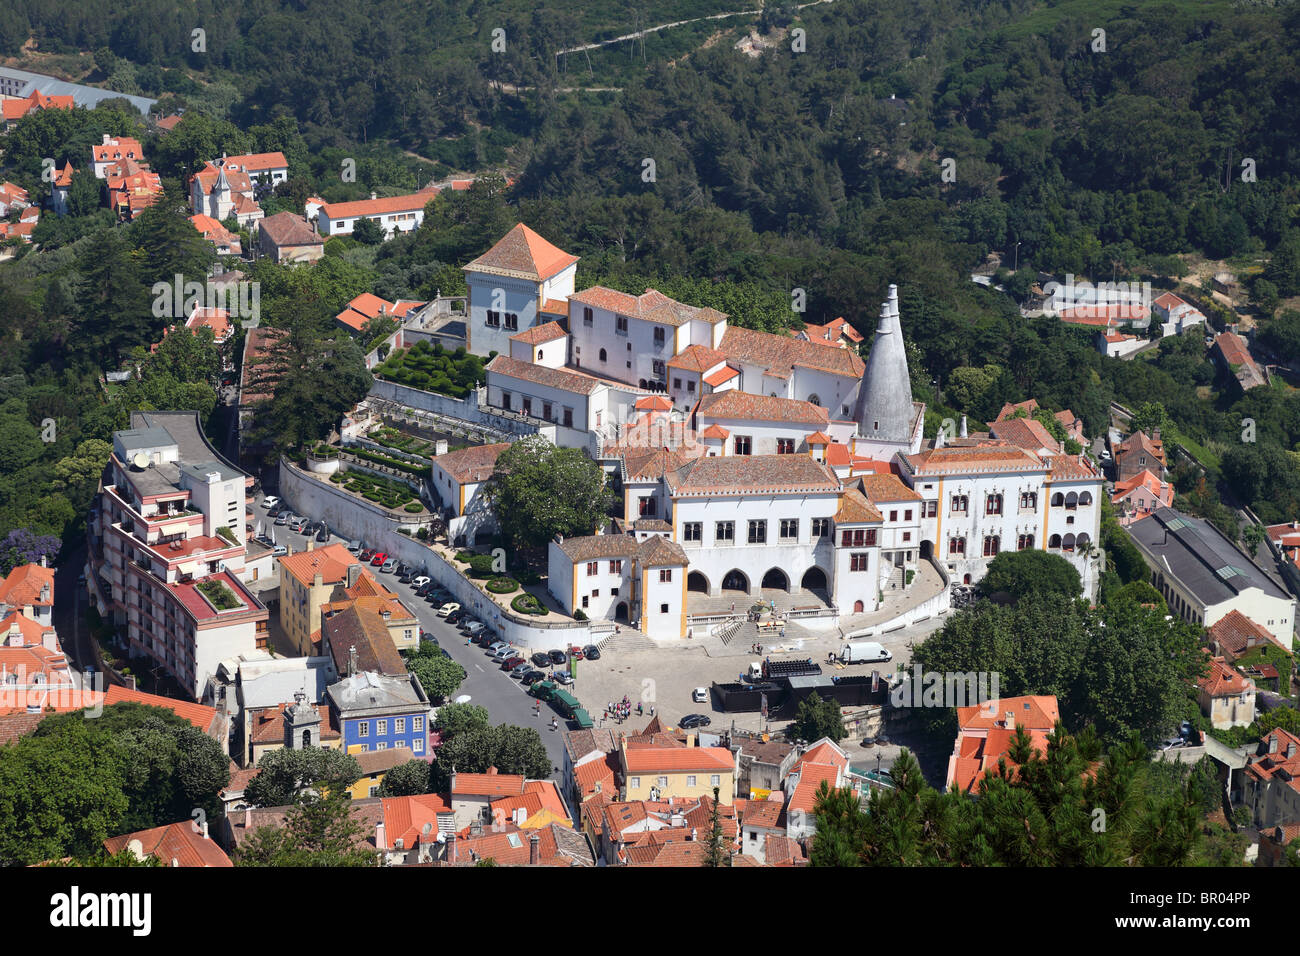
(379,459)
(414,508)
(502,585)
(527,604)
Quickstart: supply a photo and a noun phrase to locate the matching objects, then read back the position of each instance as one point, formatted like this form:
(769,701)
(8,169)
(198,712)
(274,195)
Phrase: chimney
(1272,744)
(248,819)
(205,829)
(963,426)
(534,848)
(354,573)
(380,841)
(311,546)
(451,846)
(695,833)
(492,771)
(374,196)
(317,580)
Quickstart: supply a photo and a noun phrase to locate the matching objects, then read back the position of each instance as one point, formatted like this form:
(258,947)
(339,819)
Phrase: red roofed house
(1176,315)
(1135,498)
(176,844)
(1286,538)
(226,242)
(1225,696)
(289,237)
(12,197)
(1271,780)
(59,190)
(1233,356)
(823,762)
(367,306)
(132,187)
(18,107)
(472,794)
(114,150)
(458,478)
(1140,452)
(1235,634)
(307,581)
(836,332)
(652,772)
(224,189)
(985,732)
(269,168)
(394,214)
(28,590)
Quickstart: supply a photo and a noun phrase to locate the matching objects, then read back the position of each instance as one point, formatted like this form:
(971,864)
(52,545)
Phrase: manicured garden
(387,435)
(388,461)
(432,368)
(384,491)
(222,598)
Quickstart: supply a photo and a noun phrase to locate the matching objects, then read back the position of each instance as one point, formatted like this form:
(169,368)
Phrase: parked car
(562,677)
(455,616)
(282,518)
(1103,455)
(354,547)
(298,525)
(505,654)
(474,627)
(513,661)
(389,566)
(275,511)
(700,695)
(519,670)
(448,609)
(592,652)
(532,677)
(367,554)
(497,645)
(485,638)
(576,653)
(378,559)
(558,657)
(691,721)
(420,580)
(323,532)
(270,501)
(1172,742)
(279,550)
(425,589)
(541,659)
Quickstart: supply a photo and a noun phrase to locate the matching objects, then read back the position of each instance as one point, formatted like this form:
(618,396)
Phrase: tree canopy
(539,490)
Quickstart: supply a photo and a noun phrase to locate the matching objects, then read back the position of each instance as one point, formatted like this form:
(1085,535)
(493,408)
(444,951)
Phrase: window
(724,531)
(505,400)
(665,575)
(677,384)
(568,417)
(693,531)
(635,783)
(363,729)
(616,566)
(602,355)
(613,592)
(659,369)
(417,724)
(893,516)
(930,509)
(785,446)
(663,781)
(821,527)
(494,319)
(646,506)
(381,727)
(546,410)
(592,567)
(959,504)
(585,605)
(690,386)
(659,335)
(399,725)
(859,561)
(382,745)
(690,780)
(789,528)
(1029,500)
(956,546)
(587,318)
(1024,542)
(374,790)
(907,536)
(527,405)
(512,321)
(417,745)
(663,608)
(991,542)
(741,445)
(993,505)
(715,780)
(620,324)
(758,532)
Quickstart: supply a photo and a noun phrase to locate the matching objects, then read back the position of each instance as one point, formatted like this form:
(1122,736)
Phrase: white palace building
(750,461)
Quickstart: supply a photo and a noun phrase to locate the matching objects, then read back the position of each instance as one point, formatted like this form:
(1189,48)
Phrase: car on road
(354,547)
(270,501)
(298,525)
(378,558)
(389,566)
(485,638)
(323,532)
(448,609)
(425,589)
(576,653)
(420,580)
(691,721)
(541,659)
(367,554)
(496,646)
(700,695)
(519,670)
(562,677)
(558,657)
(1172,742)
(279,550)
(283,518)
(532,677)
(275,511)
(455,616)
(592,652)
(513,661)
(474,627)
(1103,455)
(500,657)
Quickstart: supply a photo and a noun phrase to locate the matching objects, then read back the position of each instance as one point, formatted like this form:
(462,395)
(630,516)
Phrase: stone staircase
(627,640)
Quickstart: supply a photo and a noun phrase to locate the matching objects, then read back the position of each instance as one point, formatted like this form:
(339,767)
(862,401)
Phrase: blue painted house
(377,712)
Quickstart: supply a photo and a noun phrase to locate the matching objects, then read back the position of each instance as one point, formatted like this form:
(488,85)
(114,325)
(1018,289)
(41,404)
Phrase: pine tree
(718,853)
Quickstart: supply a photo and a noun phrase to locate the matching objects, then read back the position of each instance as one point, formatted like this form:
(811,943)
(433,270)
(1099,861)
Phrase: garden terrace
(433,369)
(391,494)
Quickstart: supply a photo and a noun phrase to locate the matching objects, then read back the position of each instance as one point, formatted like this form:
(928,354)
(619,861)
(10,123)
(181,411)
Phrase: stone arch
(696,581)
(814,579)
(776,579)
(927,550)
(735,580)
(620,611)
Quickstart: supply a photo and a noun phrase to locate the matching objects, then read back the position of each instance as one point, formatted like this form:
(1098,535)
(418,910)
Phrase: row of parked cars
(528,670)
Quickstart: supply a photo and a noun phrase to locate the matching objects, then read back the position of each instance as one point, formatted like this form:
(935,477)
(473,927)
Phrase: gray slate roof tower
(885,409)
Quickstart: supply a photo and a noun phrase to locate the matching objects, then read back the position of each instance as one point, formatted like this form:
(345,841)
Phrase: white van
(864,652)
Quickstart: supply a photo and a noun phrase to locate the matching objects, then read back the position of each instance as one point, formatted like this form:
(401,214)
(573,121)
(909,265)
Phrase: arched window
(1081,542)
(991,543)
(1054,542)
(1058,499)
(539,355)
(602,355)
(1067,543)
(1071,500)
(306,738)
(957,546)
(814,399)
(1085,498)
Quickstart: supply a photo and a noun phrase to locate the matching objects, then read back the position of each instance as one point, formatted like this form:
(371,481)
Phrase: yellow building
(374,764)
(369,595)
(654,772)
(307,581)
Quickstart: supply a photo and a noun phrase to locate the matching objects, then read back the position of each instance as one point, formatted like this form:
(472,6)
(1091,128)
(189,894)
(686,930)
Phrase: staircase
(728,630)
(627,640)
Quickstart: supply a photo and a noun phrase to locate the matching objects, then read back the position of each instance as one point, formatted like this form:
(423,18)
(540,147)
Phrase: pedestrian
(733,607)
(783,632)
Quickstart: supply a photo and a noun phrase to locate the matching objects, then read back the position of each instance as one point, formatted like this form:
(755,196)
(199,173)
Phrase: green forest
(819,169)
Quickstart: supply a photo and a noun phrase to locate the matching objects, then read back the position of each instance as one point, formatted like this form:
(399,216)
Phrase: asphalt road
(487,685)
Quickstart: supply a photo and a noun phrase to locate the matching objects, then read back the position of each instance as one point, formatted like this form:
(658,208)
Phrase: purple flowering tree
(23,546)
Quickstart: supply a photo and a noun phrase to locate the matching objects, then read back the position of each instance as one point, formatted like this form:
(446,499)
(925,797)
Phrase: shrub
(336,478)
(414,508)
(464,556)
(579,615)
(503,585)
(480,565)
(527,604)
(405,531)
(423,534)
(371,495)
(528,576)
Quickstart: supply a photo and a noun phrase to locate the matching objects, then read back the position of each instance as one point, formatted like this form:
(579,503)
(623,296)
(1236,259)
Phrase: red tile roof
(405,818)
(540,334)
(779,354)
(331,562)
(855,509)
(735,404)
(650,306)
(885,487)
(649,760)
(751,474)
(490,784)
(24,585)
(522,252)
(721,376)
(174,842)
(697,358)
(16,109)
(982,458)
(411,202)
(564,380)
(474,464)
(1223,680)
(811,777)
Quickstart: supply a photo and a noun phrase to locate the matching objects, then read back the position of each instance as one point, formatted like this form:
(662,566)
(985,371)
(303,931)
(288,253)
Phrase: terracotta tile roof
(405,818)
(32,633)
(1009,409)
(16,109)
(331,562)
(290,229)
(1027,433)
(12,194)
(490,784)
(839,456)
(258,162)
(778,354)
(721,376)
(885,487)
(1035,713)
(718,432)
(364,629)
(65,175)
(982,458)
(657,551)
(651,463)
(1234,351)
(218,320)
(811,776)
(650,760)
(1223,680)
(579,743)
(682,853)
(538,796)
(558,378)
(16,726)
(829,333)
(697,358)
(650,306)
(175,841)
(554,307)
(597,771)
(654,403)
(266,724)
(1282,765)
(596,547)
(24,585)
(780,850)
(411,202)
(751,474)
(824,752)
(1234,634)
(473,464)
(556,845)
(1142,443)
(1104,314)
(24,663)
(1144,478)
(122,147)
(380,761)
(1070,467)
(238,179)
(855,509)
(762,813)
(540,334)
(735,404)
(522,252)
(169,123)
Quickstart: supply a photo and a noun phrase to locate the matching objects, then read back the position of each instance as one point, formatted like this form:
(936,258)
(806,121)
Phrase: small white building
(1175,314)
(613,577)
(458,478)
(394,214)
